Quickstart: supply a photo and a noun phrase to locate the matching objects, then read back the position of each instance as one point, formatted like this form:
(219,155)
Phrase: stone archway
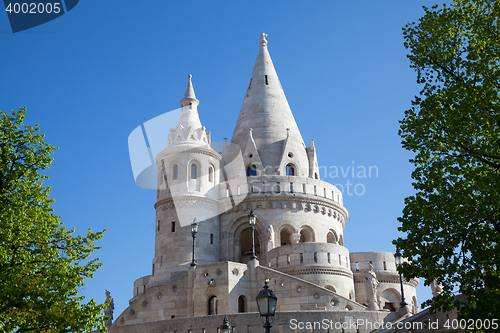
(306,234)
(286,235)
(390,299)
(246,245)
(239,239)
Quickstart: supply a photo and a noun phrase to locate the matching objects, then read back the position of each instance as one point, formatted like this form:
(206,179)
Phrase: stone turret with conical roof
(300,218)
(266,123)
(188,178)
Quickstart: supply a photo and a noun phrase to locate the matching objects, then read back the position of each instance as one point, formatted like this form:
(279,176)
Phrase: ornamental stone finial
(190,76)
(263,41)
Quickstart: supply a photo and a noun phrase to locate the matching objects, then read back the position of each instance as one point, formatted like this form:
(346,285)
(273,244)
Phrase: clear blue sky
(94,74)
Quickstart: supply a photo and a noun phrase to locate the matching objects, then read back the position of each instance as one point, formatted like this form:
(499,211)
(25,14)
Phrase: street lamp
(194,230)
(251,219)
(266,301)
(225,327)
(399,259)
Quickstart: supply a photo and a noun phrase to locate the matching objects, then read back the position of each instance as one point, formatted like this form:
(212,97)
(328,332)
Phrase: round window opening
(250,155)
(290,154)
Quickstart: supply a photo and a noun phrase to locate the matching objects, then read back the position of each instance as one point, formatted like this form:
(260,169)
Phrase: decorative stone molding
(183,203)
(316,271)
(191,151)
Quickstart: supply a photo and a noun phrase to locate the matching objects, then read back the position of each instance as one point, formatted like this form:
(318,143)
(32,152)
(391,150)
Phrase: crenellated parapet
(324,264)
(301,192)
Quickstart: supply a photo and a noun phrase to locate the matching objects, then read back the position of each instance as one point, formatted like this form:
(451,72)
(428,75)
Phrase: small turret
(188,180)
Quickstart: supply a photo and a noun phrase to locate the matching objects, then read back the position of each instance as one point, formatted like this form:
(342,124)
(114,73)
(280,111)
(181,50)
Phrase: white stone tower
(300,219)
(299,239)
(188,178)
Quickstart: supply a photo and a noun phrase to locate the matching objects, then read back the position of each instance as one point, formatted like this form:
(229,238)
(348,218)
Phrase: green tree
(452,223)
(42,266)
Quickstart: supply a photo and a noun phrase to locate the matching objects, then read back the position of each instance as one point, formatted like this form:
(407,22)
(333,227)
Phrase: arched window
(306,235)
(212,305)
(252,171)
(211,174)
(331,288)
(290,170)
(176,172)
(316,176)
(286,236)
(193,171)
(341,240)
(331,237)
(390,298)
(241,304)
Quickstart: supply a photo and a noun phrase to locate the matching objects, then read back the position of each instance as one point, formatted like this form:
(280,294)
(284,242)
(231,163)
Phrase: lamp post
(266,301)
(399,260)
(225,327)
(251,219)
(194,230)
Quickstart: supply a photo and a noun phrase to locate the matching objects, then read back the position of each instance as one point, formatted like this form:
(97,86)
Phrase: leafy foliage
(42,265)
(452,223)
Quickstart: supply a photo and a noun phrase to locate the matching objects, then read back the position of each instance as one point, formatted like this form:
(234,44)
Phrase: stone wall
(284,322)
(324,264)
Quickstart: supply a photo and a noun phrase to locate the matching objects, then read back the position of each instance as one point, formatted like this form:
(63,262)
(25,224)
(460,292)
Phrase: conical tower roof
(265,112)
(189,131)
(189,115)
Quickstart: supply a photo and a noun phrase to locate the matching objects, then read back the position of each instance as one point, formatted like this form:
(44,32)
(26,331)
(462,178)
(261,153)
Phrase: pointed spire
(189,113)
(189,96)
(266,110)
(189,130)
